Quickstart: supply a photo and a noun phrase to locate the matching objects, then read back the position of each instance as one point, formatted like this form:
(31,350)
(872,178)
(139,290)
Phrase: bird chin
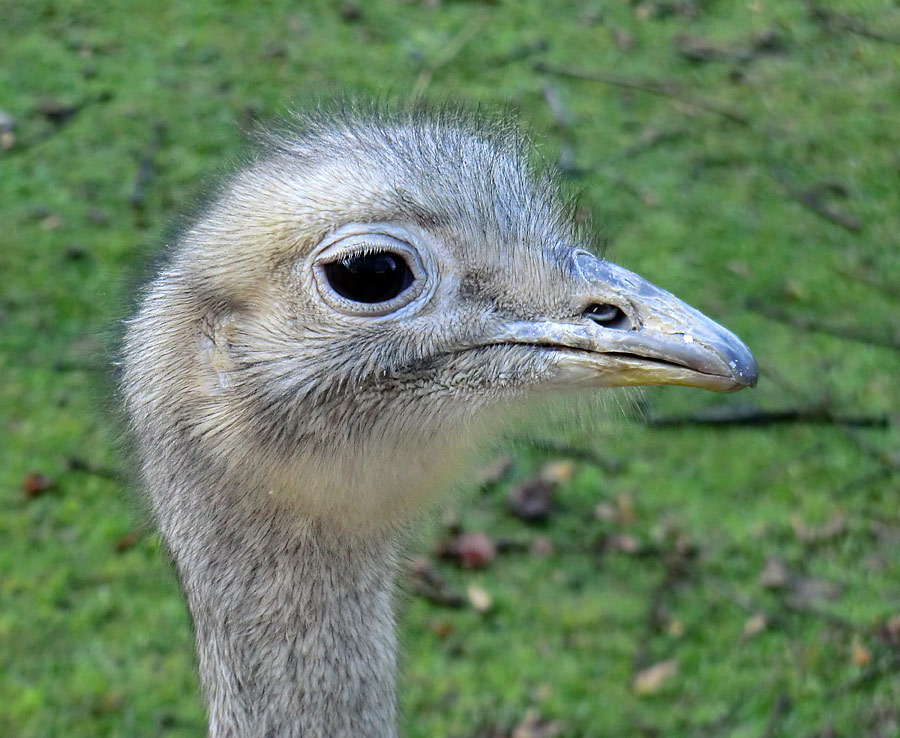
(581,369)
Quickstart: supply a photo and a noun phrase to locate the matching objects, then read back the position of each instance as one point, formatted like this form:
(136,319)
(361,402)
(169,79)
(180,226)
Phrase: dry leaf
(128,540)
(861,655)
(556,472)
(606,512)
(651,680)
(892,629)
(534,726)
(479,598)
(625,503)
(36,484)
(441,628)
(427,582)
(542,546)
(775,574)
(469,550)
(532,500)
(833,528)
(754,625)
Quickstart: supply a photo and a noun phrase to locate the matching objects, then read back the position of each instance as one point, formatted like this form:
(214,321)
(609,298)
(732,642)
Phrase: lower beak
(637,334)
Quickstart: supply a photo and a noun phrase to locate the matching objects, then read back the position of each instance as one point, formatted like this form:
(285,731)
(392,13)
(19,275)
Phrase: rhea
(344,324)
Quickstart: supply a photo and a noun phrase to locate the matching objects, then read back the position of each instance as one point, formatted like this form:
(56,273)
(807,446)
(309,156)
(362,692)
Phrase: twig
(76,464)
(812,199)
(450,51)
(889,289)
(609,464)
(653,87)
(832,20)
(564,124)
(781,708)
(651,140)
(807,323)
(753,417)
(145,167)
(886,666)
(675,560)
(60,119)
(520,53)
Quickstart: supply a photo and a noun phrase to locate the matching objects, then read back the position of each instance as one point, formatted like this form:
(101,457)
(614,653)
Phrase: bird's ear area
(216,329)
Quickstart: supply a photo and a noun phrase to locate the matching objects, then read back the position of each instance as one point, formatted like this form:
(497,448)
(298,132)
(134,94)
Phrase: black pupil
(370,278)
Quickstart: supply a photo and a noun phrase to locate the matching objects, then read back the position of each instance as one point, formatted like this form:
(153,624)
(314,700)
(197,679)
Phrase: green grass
(96,642)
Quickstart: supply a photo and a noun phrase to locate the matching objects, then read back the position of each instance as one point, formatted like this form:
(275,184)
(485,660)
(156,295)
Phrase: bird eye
(609,316)
(372,273)
(370,278)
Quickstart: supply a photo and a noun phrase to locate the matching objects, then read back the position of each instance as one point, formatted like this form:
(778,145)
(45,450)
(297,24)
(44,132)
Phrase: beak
(634,333)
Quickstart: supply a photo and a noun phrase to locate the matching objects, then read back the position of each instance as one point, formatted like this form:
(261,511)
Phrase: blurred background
(690,565)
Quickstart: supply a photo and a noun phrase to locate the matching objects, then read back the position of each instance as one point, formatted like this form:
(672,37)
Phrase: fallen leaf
(532,725)
(532,500)
(606,512)
(36,484)
(441,628)
(427,582)
(623,38)
(475,550)
(479,598)
(650,680)
(623,543)
(542,546)
(621,512)
(775,574)
(754,625)
(625,505)
(861,655)
(833,528)
(128,540)
(469,550)
(891,629)
(52,222)
(806,590)
(556,472)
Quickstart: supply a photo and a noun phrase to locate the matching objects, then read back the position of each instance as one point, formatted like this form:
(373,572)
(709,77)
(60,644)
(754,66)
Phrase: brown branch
(448,54)
(564,124)
(781,708)
(812,198)
(889,289)
(76,464)
(520,53)
(833,21)
(886,666)
(652,87)
(754,417)
(675,560)
(807,323)
(145,167)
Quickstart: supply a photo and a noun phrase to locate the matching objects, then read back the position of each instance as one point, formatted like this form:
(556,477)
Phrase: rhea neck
(293,616)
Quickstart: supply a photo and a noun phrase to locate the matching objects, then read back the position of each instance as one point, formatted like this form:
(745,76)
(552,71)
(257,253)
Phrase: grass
(720,208)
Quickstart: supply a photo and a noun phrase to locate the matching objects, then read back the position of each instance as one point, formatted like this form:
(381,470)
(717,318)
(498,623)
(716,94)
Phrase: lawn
(707,566)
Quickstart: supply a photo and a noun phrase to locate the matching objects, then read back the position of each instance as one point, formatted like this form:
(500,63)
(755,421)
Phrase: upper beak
(654,339)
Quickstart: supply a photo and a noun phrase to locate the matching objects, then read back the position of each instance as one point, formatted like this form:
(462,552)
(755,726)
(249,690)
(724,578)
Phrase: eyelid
(363,244)
(371,242)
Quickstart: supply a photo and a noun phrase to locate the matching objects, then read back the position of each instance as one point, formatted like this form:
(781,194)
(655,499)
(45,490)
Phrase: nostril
(609,316)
